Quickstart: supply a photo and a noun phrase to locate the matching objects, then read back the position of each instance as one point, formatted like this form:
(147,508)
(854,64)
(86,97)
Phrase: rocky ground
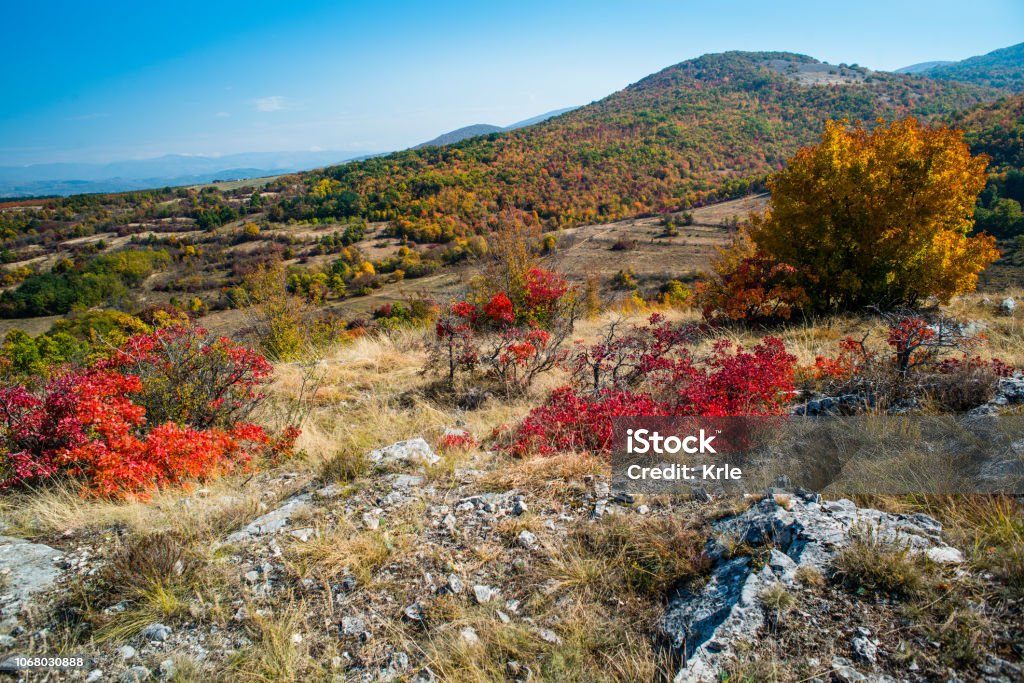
(415,572)
(364,561)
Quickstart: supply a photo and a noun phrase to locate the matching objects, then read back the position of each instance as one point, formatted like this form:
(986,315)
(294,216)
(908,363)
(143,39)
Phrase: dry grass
(871,564)
(348,550)
(280,650)
(599,590)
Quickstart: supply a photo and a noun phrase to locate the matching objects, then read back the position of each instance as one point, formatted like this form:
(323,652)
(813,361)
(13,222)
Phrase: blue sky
(103,81)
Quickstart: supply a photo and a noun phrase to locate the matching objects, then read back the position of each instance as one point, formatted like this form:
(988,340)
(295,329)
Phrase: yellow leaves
(325,187)
(879,217)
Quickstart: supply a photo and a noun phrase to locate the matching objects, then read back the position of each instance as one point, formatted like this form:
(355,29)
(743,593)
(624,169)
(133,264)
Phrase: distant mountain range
(168,170)
(466,132)
(921,68)
(1003,68)
(62,179)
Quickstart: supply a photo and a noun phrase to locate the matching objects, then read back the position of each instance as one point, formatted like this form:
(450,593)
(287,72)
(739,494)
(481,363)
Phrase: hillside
(1002,68)
(921,67)
(460,134)
(403,224)
(705,129)
(466,132)
(996,129)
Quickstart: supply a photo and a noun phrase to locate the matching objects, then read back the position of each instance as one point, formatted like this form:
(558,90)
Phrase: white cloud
(272,103)
(222,114)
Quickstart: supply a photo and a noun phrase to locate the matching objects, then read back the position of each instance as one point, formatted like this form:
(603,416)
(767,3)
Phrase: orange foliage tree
(880,217)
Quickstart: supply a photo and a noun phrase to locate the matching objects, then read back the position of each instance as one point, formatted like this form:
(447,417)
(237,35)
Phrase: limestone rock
(414,451)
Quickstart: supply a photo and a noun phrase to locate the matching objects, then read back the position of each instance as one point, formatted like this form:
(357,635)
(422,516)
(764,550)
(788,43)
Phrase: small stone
(780,562)
(414,612)
(864,649)
(944,555)
(126,652)
(167,669)
(371,521)
(519,507)
(549,636)
(136,674)
(414,450)
(6,641)
(505,619)
(303,534)
(397,664)
(156,632)
(424,675)
(94,675)
(469,636)
(512,606)
(296,639)
(455,584)
(406,481)
(642,509)
(482,594)
(252,576)
(843,671)
(624,498)
(527,539)
(1007,306)
(352,626)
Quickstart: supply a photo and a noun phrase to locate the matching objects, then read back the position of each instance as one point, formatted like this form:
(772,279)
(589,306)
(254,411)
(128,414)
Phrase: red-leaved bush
(502,343)
(917,365)
(648,372)
(163,409)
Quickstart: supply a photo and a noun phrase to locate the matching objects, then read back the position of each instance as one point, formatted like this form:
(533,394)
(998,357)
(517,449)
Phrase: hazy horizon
(211,80)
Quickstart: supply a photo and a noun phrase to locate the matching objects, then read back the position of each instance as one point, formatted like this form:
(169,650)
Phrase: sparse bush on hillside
(500,342)
(749,287)
(283,325)
(932,360)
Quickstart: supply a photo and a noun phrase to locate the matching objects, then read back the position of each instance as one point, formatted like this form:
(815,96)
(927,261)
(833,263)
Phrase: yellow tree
(880,217)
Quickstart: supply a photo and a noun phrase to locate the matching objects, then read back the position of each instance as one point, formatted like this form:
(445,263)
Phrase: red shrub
(730,382)
(93,424)
(996,366)
(499,309)
(543,290)
(458,441)
(191,377)
(570,422)
(755,382)
(498,342)
(750,289)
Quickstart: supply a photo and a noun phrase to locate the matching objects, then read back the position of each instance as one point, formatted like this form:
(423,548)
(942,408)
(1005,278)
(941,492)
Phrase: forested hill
(996,129)
(704,129)
(1003,68)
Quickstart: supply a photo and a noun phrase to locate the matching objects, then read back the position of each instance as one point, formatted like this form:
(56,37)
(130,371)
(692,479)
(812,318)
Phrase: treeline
(998,131)
(105,279)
